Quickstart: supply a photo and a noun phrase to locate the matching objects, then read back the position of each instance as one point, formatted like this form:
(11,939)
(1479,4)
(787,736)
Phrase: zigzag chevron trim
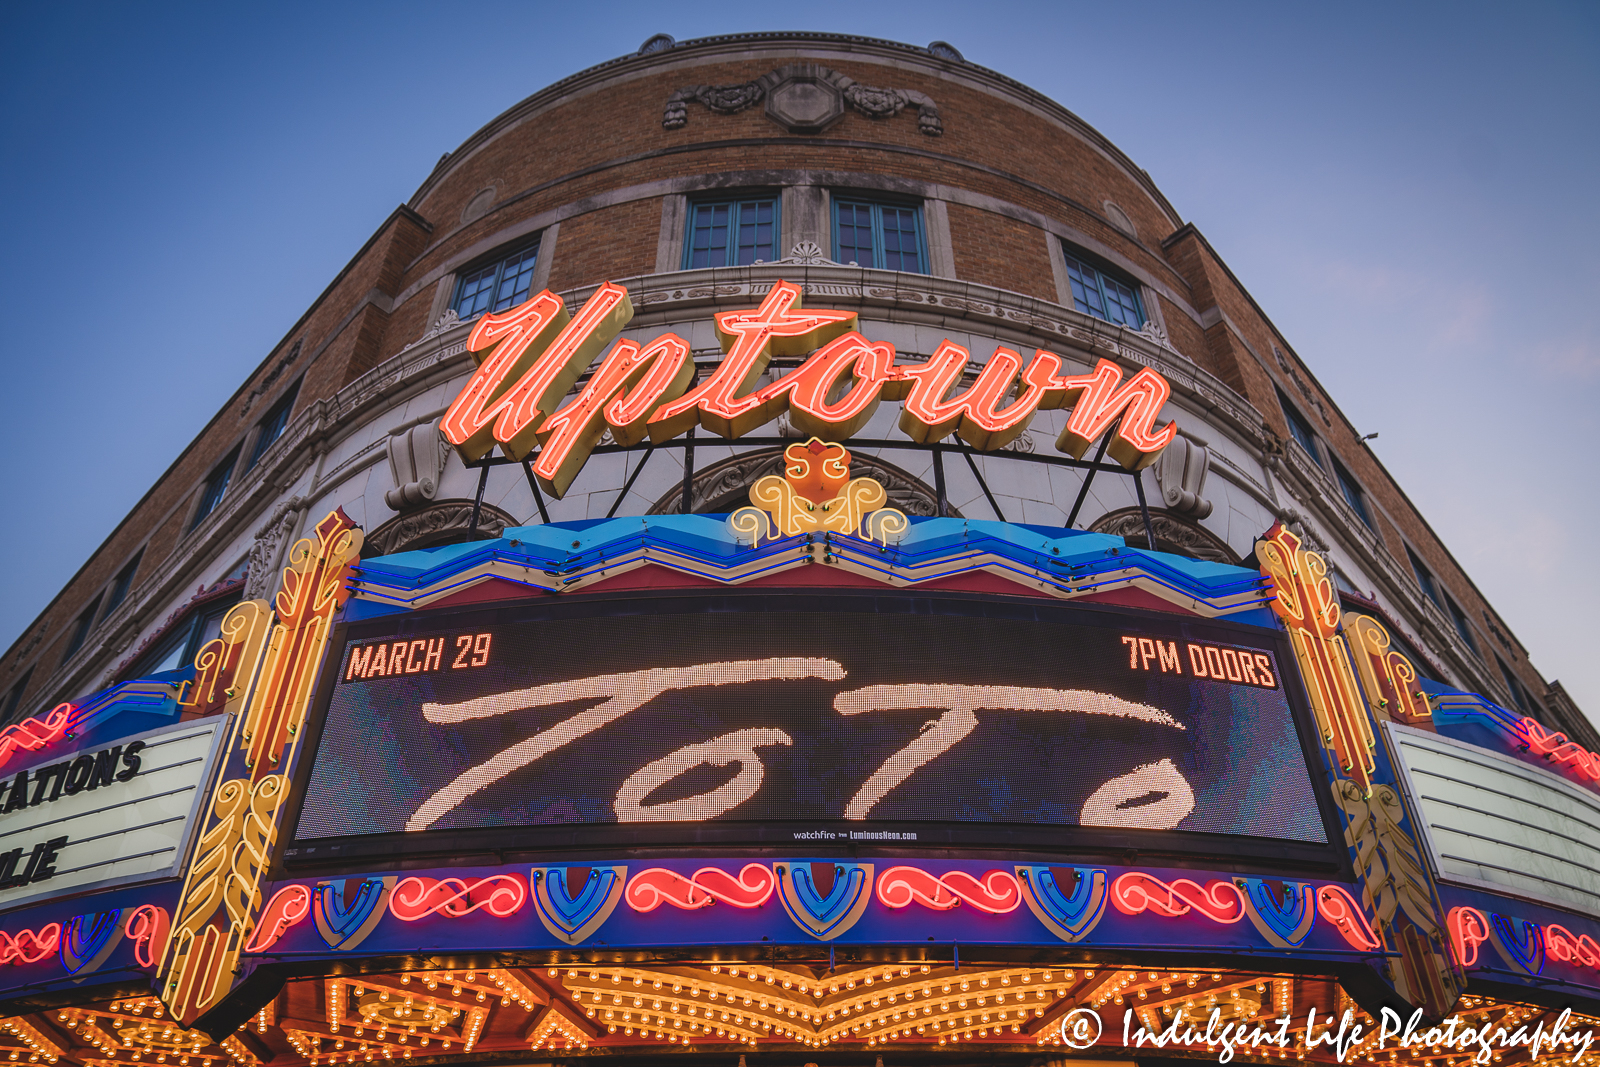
(1065,564)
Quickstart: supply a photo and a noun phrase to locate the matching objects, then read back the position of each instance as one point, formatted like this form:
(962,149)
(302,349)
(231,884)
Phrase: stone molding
(271,544)
(803,98)
(417,455)
(807,254)
(423,528)
(1180,473)
(1172,532)
(934,195)
(449,320)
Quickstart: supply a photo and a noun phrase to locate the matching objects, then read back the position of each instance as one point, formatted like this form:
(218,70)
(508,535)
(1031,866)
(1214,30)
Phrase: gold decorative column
(1397,889)
(221,897)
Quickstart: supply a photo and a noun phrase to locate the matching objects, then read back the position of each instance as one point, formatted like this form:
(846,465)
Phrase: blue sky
(1408,190)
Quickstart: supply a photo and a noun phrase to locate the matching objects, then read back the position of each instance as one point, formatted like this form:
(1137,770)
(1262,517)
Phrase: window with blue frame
(1300,429)
(1463,627)
(123,582)
(1097,293)
(731,233)
(1424,578)
(883,236)
(216,486)
(13,700)
(80,630)
(1517,696)
(496,286)
(273,423)
(1352,493)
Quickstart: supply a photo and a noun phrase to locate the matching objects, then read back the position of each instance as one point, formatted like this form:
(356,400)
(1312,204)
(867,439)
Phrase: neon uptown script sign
(530,356)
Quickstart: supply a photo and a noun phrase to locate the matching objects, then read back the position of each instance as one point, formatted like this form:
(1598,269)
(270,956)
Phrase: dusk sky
(1408,191)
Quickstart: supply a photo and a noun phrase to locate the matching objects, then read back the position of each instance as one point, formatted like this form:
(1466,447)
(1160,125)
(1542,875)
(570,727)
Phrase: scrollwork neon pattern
(221,896)
(1468,929)
(1304,599)
(501,895)
(1557,749)
(996,892)
(225,665)
(33,733)
(749,524)
(886,525)
(148,928)
(1136,892)
(1340,909)
(29,946)
(288,906)
(1394,881)
(649,889)
(794,514)
(816,495)
(1567,947)
(1389,678)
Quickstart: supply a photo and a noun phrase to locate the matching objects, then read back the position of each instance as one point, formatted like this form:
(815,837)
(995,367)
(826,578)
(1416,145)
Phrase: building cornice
(703,50)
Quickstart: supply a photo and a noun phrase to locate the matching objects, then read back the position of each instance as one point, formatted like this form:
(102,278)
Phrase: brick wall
(613,242)
(607,138)
(987,245)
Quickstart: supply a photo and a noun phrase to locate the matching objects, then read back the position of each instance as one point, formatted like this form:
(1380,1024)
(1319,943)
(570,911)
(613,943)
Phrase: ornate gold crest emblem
(816,494)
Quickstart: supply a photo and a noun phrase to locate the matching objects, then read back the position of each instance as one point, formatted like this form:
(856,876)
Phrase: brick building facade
(1012,199)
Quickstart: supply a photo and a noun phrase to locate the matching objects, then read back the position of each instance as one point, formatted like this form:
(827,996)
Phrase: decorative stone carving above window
(660,42)
(448,321)
(478,206)
(946,50)
(807,253)
(267,552)
(273,375)
(417,456)
(804,98)
(445,522)
(724,486)
(1300,383)
(1119,218)
(1181,474)
(1172,535)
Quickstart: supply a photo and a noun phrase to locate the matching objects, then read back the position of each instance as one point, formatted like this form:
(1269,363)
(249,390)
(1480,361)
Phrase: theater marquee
(112,814)
(761,718)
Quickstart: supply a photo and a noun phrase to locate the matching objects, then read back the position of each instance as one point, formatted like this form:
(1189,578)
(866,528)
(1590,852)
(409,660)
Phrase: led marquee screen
(858,722)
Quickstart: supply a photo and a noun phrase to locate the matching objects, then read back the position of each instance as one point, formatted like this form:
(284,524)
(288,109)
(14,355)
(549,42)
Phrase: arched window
(1175,535)
(444,522)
